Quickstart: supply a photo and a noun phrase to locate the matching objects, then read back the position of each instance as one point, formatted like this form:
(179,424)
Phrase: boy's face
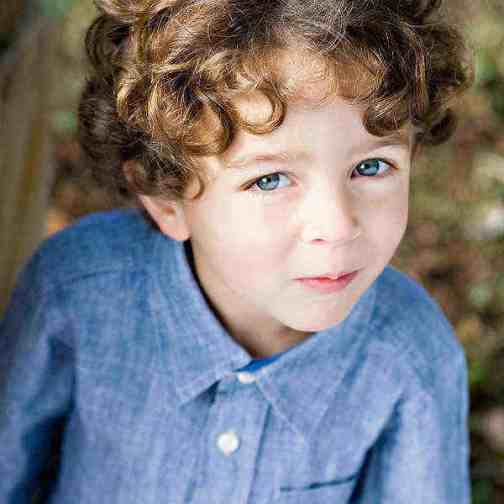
(314,212)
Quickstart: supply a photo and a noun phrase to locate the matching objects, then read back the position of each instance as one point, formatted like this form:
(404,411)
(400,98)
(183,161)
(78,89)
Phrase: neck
(262,345)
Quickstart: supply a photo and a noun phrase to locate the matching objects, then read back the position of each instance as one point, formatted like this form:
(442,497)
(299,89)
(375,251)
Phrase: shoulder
(97,244)
(411,327)
(93,286)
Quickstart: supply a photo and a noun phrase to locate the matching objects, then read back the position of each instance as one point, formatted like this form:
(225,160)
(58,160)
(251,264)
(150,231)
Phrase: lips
(328,276)
(327,285)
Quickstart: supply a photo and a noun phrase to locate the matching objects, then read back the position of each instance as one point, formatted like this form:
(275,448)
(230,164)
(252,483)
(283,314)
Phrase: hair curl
(165,74)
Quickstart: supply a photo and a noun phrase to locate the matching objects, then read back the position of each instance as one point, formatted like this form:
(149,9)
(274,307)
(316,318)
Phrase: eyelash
(265,194)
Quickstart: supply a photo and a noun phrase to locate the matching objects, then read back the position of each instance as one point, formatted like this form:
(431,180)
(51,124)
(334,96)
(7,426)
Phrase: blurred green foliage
(482,492)
(55,8)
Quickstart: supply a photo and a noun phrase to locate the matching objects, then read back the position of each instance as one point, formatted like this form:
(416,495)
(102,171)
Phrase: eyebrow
(241,163)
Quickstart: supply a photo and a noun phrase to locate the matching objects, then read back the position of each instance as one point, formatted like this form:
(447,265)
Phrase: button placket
(228,442)
(237,411)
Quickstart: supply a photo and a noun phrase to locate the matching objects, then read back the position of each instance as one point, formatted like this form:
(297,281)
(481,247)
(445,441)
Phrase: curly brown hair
(166,73)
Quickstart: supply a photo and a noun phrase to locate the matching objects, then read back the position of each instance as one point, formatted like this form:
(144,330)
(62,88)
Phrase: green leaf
(64,122)
(478,373)
(486,67)
(55,8)
(481,294)
(482,492)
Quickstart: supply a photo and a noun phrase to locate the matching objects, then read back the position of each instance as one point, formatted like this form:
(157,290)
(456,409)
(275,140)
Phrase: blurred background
(454,244)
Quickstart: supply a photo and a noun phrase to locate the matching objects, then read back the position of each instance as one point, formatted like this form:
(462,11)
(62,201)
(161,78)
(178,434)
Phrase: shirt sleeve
(36,376)
(423,454)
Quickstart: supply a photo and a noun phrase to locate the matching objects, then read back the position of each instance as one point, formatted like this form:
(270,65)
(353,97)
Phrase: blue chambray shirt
(111,357)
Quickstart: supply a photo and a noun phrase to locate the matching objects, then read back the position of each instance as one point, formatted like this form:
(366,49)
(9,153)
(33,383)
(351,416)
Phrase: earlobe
(168,215)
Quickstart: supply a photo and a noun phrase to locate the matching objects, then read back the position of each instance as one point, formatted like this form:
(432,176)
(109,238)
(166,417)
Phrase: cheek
(245,233)
(255,222)
(257,236)
(387,219)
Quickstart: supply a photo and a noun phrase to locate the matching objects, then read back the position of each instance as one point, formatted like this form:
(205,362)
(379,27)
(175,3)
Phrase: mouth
(329,276)
(329,282)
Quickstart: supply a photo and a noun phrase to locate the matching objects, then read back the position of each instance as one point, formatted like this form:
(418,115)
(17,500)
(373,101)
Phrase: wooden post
(26,87)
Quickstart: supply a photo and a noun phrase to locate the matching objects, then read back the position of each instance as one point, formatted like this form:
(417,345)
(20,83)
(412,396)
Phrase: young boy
(242,339)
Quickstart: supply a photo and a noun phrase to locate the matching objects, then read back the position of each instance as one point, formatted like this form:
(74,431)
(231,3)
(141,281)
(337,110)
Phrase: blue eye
(372,168)
(268,183)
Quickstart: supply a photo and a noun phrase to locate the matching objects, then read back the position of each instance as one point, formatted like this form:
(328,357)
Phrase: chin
(320,325)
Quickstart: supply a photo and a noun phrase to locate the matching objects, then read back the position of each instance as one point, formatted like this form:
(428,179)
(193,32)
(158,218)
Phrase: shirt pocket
(338,492)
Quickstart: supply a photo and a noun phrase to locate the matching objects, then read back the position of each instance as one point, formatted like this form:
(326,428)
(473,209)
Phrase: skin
(316,214)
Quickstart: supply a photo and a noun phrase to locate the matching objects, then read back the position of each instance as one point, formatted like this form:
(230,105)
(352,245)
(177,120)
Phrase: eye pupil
(263,182)
(369,167)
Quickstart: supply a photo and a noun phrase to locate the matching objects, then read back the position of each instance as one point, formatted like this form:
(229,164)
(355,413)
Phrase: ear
(168,215)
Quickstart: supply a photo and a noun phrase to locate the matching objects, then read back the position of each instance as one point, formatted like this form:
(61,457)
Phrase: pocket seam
(317,486)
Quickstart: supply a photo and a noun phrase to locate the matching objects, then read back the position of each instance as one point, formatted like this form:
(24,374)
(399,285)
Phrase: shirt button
(228,442)
(246,378)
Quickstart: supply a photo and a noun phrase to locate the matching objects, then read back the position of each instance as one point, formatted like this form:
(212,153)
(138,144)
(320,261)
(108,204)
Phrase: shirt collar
(299,385)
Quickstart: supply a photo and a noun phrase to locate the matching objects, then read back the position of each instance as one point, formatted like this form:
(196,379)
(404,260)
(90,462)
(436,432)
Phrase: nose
(328,215)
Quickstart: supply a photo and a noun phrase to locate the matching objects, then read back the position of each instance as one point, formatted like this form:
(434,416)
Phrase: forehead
(301,76)
(309,125)
(339,142)
(304,76)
